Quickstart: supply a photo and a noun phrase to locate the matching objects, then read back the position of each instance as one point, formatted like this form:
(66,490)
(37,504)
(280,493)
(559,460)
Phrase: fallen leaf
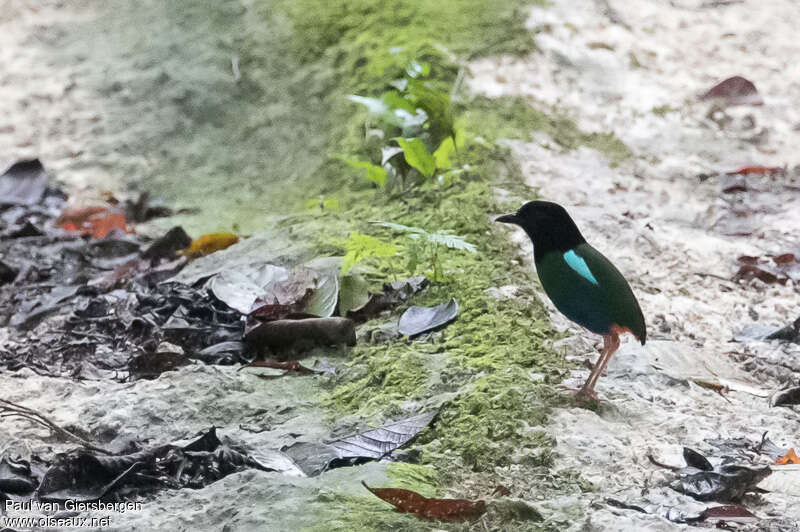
(788,397)
(97,221)
(734,91)
(769,269)
(15,476)
(84,477)
(353,293)
(393,293)
(261,248)
(417,320)
(728,482)
(373,444)
(210,243)
(732,513)
(7,273)
(452,510)
(755,169)
(790,333)
(788,458)
(37,308)
(241,287)
(302,291)
(748,272)
(696,460)
(24,183)
(324,294)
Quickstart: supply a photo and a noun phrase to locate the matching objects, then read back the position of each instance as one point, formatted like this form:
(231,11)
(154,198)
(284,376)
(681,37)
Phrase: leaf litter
(108,304)
(83,476)
(417,320)
(374,444)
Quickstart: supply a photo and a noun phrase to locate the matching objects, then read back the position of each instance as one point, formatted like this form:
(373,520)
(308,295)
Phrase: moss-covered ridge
(490,371)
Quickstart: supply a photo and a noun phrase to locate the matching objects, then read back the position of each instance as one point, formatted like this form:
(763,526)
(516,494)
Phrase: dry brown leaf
(734,91)
(407,501)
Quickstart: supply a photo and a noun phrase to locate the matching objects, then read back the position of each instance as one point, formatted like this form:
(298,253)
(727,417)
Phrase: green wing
(590,291)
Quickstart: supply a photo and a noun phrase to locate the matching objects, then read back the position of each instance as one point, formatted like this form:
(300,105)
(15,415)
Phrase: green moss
(663,110)
(515,118)
(350,512)
(487,424)
(389,377)
(480,364)
(390,32)
(419,478)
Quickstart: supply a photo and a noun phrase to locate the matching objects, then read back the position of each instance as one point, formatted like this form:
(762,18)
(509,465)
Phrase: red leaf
(728,512)
(770,268)
(755,169)
(748,271)
(407,501)
(734,91)
(96,221)
(785,258)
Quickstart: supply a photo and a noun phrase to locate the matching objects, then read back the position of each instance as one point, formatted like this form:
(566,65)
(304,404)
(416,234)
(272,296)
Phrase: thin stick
(9,409)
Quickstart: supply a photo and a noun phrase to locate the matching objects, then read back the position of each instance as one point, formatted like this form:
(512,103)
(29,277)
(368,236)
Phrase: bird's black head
(547,224)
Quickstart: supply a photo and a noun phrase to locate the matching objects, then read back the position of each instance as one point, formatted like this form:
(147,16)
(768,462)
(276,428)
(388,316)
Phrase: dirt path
(86,104)
(671,233)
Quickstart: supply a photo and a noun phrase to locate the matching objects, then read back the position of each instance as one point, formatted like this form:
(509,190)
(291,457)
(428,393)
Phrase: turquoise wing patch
(577,263)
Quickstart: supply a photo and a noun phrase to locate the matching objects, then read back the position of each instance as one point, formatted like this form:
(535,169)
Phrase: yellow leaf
(208,244)
(789,458)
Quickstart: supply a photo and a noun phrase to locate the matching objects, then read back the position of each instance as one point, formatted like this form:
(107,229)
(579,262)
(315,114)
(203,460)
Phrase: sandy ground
(667,230)
(651,215)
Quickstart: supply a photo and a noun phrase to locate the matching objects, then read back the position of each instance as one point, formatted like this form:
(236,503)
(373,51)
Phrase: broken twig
(9,409)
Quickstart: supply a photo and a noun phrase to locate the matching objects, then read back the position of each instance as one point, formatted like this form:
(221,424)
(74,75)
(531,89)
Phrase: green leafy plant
(375,173)
(418,118)
(359,247)
(425,247)
(417,155)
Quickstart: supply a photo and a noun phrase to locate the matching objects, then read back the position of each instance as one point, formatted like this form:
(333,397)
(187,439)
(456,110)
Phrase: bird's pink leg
(610,345)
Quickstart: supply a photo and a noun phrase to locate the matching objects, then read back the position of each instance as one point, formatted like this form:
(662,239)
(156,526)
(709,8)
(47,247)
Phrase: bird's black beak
(508,219)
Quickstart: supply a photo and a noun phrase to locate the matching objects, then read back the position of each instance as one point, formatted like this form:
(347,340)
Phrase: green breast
(589,290)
